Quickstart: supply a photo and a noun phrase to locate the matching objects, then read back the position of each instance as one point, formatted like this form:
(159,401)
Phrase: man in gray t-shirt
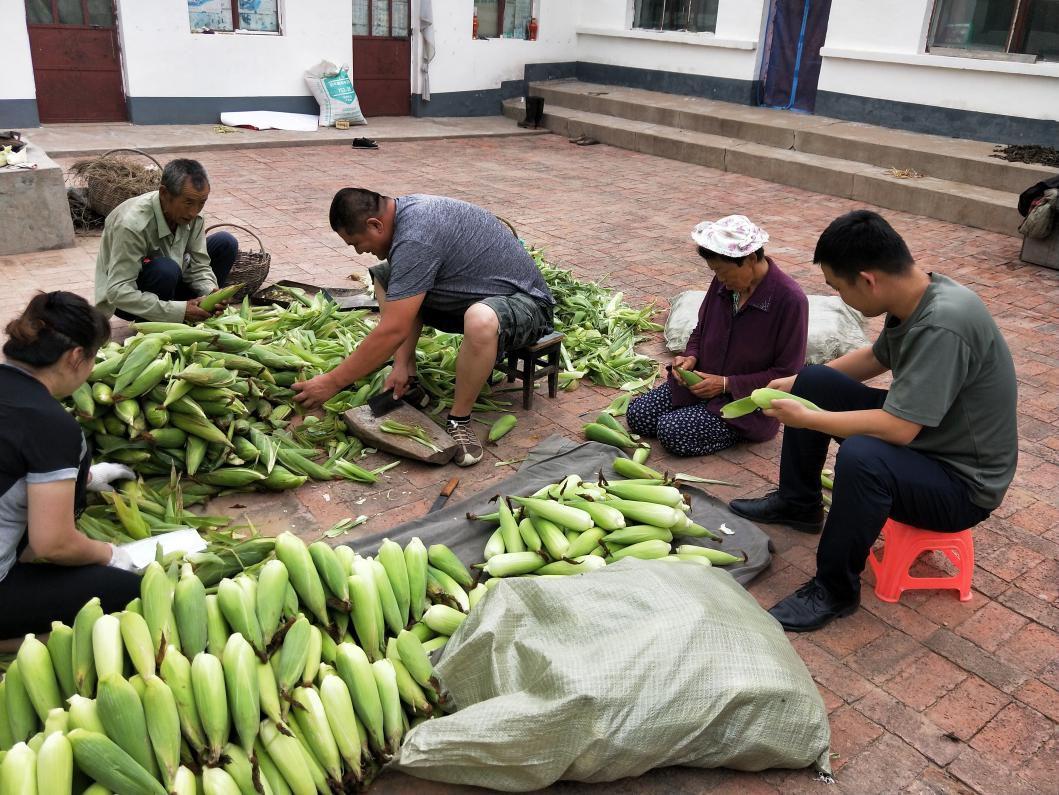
(937,450)
(450,265)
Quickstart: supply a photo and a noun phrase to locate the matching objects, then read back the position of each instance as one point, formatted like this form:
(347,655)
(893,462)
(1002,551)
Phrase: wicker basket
(104,195)
(250,267)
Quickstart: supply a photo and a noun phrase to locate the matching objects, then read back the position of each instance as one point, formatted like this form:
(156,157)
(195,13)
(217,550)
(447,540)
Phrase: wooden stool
(537,360)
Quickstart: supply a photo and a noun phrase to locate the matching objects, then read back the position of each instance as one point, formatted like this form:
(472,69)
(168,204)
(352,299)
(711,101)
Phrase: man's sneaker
(470,449)
(773,509)
(811,607)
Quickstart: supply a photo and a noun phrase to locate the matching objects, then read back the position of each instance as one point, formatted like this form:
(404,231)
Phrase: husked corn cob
(216,781)
(108,651)
(184,783)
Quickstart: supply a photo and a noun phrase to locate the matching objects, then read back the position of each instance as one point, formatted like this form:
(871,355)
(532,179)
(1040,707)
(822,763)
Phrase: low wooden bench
(533,362)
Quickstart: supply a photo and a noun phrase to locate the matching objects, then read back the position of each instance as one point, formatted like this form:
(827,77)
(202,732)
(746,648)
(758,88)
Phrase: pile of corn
(601,332)
(302,678)
(574,527)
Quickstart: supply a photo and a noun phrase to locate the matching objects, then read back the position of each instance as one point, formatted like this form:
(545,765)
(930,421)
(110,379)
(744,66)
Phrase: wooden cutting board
(366,427)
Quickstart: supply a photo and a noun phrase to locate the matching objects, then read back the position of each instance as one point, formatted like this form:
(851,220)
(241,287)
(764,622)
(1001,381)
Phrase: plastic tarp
(549,462)
(594,678)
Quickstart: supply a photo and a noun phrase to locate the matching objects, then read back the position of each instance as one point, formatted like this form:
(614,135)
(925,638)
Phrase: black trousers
(874,480)
(163,277)
(32,595)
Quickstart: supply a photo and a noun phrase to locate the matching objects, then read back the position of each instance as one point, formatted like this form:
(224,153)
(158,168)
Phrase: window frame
(501,13)
(1020,19)
(633,26)
(234,5)
(389,26)
(85,17)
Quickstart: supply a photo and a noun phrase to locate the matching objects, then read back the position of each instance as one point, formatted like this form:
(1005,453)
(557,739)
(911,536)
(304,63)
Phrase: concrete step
(958,160)
(983,208)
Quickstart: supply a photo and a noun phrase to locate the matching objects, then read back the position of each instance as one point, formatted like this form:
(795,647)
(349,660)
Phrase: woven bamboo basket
(250,267)
(108,186)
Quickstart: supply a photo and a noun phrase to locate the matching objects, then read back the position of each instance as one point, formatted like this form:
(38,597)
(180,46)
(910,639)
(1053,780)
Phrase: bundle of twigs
(110,179)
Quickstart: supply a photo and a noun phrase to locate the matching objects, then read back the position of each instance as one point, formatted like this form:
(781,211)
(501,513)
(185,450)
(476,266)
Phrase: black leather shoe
(811,607)
(773,509)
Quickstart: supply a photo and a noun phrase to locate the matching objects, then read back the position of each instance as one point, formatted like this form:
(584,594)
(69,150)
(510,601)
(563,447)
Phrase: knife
(444,495)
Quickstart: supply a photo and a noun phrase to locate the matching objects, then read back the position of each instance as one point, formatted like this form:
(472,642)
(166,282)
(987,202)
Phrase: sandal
(364,143)
(586,141)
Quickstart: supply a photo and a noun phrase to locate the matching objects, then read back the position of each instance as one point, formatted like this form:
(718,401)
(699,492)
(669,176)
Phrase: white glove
(100,476)
(121,559)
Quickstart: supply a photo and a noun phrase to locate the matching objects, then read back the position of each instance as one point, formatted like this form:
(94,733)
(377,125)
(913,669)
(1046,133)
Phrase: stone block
(34,212)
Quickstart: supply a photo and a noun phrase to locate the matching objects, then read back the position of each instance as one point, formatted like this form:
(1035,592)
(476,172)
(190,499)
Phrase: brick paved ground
(929,695)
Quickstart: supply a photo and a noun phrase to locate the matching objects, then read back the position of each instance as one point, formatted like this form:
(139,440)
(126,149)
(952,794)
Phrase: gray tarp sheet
(549,462)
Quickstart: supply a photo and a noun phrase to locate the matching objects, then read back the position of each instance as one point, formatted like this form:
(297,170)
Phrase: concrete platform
(958,179)
(34,213)
(81,140)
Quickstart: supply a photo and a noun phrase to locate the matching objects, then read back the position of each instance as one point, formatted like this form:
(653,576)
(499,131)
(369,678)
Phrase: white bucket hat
(732,236)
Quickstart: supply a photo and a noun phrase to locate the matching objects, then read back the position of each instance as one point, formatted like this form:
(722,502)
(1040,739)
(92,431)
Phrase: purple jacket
(765,340)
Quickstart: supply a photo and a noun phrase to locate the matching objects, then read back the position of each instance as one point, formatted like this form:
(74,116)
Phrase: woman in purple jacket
(752,329)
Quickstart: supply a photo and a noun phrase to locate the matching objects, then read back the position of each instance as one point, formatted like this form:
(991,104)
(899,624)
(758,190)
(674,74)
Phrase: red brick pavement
(928,695)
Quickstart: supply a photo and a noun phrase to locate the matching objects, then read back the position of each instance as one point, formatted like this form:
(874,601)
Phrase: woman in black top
(44,470)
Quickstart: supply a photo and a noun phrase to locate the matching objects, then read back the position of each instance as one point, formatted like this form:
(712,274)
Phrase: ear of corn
(501,427)
(715,556)
(55,766)
(270,775)
(688,377)
(331,572)
(285,753)
(338,707)
(585,543)
(214,299)
(207,680)
(647,512)
(121,713)
(663,495)
(645,550)
(107,647)
(313,656)
(565,516)
(237,764)
(303,575)
(18,772)
(581,565)
(38,676)
(415,557)
(355,669)
(415,659)
(176,671)
(272,584)
(216,627)
(6,738)
(391,611)
(391,558)
(441,586)
(601,433)
(108,764)
(137,639)
(445,620)
(495,544)
(366,606)
(604,516)
(509,528)
(392,714)
(290,664)
(163,727)
(84,715)
(189,612)
(637,533)
(240,612)
(443,558)
(312,720)
(407,687)
(242,689)
(156,599)
(552,538)
(510,564)
(268,691)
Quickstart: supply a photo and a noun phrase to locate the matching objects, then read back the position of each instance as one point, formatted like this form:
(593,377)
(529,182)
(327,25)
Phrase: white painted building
(975,68)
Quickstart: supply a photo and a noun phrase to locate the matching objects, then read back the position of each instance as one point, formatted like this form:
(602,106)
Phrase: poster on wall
(254,15)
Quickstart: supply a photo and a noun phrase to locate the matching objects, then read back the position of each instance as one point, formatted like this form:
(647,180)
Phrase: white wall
(878,50)
(731,52)
(16,64)
(465,64)
(163,58)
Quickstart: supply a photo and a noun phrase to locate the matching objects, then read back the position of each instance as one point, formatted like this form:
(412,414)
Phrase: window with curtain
(231,15)
(503,18)
(70,12)
(1022,27)
(693,16)
(381,18)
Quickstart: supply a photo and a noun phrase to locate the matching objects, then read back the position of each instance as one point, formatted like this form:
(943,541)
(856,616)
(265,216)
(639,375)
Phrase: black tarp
(549,462)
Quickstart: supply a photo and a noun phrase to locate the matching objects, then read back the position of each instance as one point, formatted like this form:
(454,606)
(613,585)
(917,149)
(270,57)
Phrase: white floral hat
(732,236)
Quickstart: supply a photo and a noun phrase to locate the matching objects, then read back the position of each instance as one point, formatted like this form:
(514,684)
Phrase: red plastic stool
(903,544)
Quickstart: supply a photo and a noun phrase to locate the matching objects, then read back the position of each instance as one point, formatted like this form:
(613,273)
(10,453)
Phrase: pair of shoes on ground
(583,140)
(813,605)
(364,143)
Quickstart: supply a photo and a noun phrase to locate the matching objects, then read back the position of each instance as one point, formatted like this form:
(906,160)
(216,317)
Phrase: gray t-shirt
(953,374)
(457,253)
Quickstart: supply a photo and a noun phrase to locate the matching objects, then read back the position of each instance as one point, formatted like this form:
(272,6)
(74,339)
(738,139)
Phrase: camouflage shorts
(523,319)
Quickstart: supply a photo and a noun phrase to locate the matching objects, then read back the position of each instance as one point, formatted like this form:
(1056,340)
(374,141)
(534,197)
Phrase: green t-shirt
(953,374)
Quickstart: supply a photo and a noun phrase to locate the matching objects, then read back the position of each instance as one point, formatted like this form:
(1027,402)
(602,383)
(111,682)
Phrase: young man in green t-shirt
(937,450)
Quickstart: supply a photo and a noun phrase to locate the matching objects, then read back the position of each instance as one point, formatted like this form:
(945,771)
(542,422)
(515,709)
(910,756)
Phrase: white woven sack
(334,93)
(602,676)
